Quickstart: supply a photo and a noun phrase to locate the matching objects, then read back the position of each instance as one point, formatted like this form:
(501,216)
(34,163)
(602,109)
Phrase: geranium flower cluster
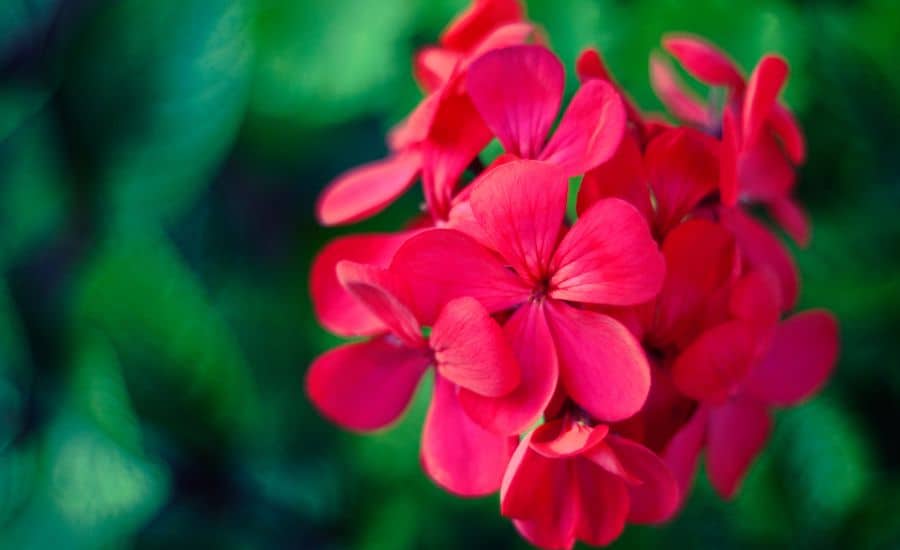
(581,366)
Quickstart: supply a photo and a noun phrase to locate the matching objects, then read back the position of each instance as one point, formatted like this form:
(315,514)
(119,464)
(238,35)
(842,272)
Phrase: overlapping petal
(738,430)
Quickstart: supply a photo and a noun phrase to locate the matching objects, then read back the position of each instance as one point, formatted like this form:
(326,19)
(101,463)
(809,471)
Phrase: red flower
(518,91)
(528,265)
(568,480)
(367,385)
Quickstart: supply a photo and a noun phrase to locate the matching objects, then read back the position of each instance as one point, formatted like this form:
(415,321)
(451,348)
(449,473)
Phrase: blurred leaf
(33,192)
(19,17)
(18,474)
(17,103)
(157,91)
(179,358)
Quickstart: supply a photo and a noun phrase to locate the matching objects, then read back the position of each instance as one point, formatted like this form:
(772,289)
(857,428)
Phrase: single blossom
(367,385)
(542,275)
(569,480)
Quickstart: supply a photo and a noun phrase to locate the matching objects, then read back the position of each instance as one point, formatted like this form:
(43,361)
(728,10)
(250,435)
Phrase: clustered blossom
(581,366)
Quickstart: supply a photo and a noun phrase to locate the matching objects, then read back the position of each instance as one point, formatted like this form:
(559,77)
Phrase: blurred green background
(159,161)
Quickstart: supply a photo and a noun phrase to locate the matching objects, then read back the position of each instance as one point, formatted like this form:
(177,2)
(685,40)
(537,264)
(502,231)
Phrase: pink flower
(539,273)
(571,481)
(518,91)
(367,385)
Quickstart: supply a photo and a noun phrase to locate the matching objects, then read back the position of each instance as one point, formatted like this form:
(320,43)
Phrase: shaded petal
(530,339)
(800,360)
(366,385)
(415,127)
(682,168)
(518,92)
(337,309)
(712,366)
(764,172)
(656,497)
(510,34)
(608,257)
(703,61)
(763,250)
(762,91)
(756,297)
(622,176)
(785,126)
(590,130)
(368,189)
(791,217)
(458,454)
(729,158)
(701,257)
(439,265)
(602,366)
(677,97)
(373,286)
(562,438)
(521,206)
(471,351)
(738,431)
(603,504)
(682,454)
(433,66)
(478,21)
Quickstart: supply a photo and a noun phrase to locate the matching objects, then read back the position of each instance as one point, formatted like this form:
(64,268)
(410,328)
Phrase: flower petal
(518,92)
(622,176)
(458,454)
(682,168)
(682,454)
(602,366)
(530,339)
(712,366)
(337,309)
(366,385)
(704,61)
(434,66)
(763,250)
(373,286)
(602,504)
(608,257)
(562,438)
(590,65)
(738,431)
(764,172)
(364,191)
(786,128)
(803,354)
(470,349)
(701,257)
(590,130)
(791,217)
(656,498)
(765,84)
(729,159)
(521,206)
(478,21)
(675,95)
(439,265)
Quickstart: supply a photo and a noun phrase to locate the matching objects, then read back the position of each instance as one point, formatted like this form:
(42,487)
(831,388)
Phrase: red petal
(518,91)
(704,61)
(701,257)
(458,454)
(786,128)
(683,452)
(738,431)
(434,66)
(763,250)
(511,34)
(590,65)
(439,265)
(716,361)
(478,21)
(563,438)
(521,206)
(415,127)
(602,366)
(622,176)
(764,173)
(470,349)
(608,257)
(756,298)
(802,356)
(677,97)
(590,130)
(456,137)
(728,160)
(338,310)
(530,339)
(682,167)
(762,92)
(366,385)
(372,286)
(368,189)
(656,498)
(791,217)
(603,504)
